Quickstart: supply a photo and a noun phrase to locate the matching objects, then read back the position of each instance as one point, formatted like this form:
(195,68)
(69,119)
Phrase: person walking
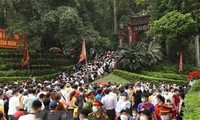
(35,107)
(97,113)
(13,104)
(123,103)
(71,105)
(109,104)
(147,105)
(83,114)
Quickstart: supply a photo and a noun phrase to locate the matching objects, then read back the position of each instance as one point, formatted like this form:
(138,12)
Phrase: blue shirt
(148,106)
(98,97)
(131,118)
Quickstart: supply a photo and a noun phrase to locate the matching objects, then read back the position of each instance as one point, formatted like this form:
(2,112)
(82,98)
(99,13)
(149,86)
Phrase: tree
(174,28)
(51,23)
(137,56)
(159,8)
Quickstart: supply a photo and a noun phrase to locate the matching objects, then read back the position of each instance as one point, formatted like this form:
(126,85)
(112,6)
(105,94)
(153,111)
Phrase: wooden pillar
(197,50)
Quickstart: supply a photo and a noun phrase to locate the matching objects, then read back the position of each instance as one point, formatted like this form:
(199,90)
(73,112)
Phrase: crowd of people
(62,101)
(72,96)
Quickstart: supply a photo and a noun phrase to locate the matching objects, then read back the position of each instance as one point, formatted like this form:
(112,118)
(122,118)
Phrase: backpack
(80,100)
(146,106)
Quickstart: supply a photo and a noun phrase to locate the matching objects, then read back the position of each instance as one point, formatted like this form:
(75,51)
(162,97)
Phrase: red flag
(83,53)
(181,63)
(25,59)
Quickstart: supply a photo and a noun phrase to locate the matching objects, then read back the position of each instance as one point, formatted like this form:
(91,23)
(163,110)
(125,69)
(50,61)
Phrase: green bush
(9,65)
(41,66)
(195,87)
(167,67)
(39,78)
(53,62)
(6,60)
(172,76)
(48,77)
(192,106)
(12,79)
(133,77)
(26,72)
(64,68)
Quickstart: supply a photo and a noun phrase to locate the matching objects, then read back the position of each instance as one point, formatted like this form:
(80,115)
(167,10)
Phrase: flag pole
(86,64)
(83,56)
(87,71)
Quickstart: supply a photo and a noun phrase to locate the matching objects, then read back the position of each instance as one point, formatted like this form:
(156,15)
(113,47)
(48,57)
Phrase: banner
(102,83)
(16,42)
(25,59)
(83,53)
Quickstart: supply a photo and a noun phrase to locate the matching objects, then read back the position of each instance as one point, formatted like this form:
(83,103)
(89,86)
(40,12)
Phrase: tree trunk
(114,17)
(197,50)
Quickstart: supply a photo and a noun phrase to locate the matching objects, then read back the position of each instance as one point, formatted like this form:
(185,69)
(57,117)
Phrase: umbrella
(55,49)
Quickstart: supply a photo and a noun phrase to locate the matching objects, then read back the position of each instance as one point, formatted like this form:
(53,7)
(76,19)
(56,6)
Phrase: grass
(111,78)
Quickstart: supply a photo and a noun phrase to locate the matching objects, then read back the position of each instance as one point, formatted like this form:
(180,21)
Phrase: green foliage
(168,67)
(20,79)
(175,30)
(172,76)
(133,77)
(174,26)
(19,73)
(137,56)
(192,106)
(195,87)
(61,23)
(65,68)
(159,8)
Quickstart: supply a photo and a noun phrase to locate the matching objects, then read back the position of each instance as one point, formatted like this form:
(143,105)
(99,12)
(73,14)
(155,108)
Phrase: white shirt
(13,103)
(114,96)
(27,117)
(64,94)
(108,102)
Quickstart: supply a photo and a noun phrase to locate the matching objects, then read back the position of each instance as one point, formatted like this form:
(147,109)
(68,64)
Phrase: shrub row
(53,62)
(192,106)
(172,68)
(133,77)
(7,64)
(26,72)
(48,77)
(6,60)
(172,76)
(19,79)
(65,68)
(195,87)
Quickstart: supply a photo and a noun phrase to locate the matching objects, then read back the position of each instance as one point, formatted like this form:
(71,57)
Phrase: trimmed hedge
(9,63)
(12,79)
(133,77)
(26,72)
(39,78)
(192,106)
(167,67)
(195,87)
(53,62)
(48,77)
(165,75)
(64,68)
